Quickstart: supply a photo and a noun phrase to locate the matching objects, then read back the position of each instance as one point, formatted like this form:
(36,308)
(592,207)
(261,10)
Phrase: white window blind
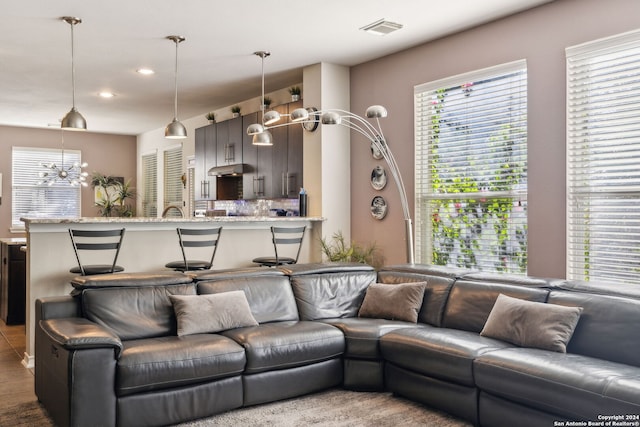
(28,199)
(172,179)
(150,185)
(603,153)
(471,170)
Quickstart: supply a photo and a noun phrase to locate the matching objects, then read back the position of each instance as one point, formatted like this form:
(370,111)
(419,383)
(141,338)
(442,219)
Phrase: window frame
(19,189)
(425,193)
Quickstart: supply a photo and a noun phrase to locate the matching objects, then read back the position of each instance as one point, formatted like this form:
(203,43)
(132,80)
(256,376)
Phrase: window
(603,152)
(149,185)
(471,170)
(28,198)
(173,179)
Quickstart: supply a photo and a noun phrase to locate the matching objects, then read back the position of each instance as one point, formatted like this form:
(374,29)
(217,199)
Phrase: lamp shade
(73,120)
(175,130)
(254,129)
(331,118)
(263,138)
(271,117)
(376,112)
(299,115)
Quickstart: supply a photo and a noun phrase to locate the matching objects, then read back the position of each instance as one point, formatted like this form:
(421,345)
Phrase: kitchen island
(148,244)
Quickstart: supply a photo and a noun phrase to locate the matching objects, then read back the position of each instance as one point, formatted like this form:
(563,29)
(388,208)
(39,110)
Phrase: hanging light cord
(175,102)
(73,69)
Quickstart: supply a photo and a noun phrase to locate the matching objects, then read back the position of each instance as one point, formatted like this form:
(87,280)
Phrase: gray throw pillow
(532,324)
(393,301)
(199,314)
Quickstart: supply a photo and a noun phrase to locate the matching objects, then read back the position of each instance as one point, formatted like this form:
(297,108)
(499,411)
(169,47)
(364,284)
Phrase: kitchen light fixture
(73,120)
(175,129)
(72,174)
(261,136)
(374,136)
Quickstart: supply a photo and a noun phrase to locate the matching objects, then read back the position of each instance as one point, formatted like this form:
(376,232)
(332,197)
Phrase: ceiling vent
(381,27)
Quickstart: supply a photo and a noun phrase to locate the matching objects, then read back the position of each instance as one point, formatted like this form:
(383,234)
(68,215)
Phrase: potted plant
(112,194)
(295,93)
(235,110)
(211,117)
(266,102)
(339,251)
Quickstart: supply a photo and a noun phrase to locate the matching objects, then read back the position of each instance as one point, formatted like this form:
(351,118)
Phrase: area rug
(334,408)
(331,408)
(26,414)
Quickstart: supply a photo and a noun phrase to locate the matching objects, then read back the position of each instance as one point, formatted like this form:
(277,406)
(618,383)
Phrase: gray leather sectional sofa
(120,352)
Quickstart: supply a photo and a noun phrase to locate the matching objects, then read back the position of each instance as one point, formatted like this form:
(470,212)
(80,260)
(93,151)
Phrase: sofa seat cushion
(282,345)
(445,354)
(569,385)
(165,362)
(362,336)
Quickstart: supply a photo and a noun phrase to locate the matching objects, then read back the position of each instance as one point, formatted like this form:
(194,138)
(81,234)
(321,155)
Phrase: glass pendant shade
(175,130)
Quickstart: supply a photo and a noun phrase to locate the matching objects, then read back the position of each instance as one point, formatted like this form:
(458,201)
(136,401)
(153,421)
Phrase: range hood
(235,169)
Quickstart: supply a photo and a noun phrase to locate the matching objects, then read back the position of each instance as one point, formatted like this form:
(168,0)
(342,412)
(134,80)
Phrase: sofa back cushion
(470,302)
(608,326)
(435,293)
(134,312)
(270,297)
(331,295)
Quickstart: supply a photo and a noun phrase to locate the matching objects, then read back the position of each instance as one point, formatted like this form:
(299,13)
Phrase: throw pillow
(199,314)
(393,302)
(532,324)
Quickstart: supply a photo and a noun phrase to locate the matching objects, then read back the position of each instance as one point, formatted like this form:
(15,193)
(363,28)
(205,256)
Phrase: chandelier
(71,174)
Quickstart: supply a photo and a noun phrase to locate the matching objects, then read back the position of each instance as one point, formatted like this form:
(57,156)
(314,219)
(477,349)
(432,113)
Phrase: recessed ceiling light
(106,94)
(381,27)
(145,71)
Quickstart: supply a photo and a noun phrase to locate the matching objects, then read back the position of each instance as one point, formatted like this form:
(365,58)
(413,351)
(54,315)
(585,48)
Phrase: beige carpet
(331,408)
(334,408)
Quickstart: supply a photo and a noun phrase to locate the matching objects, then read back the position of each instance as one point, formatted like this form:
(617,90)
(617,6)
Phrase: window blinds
(471,170)
(172,179)
(42,201)
(603,152)
(150,185)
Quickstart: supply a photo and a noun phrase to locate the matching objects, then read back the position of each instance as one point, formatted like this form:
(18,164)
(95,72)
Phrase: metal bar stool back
(283,236)
(196,238)
(96,240)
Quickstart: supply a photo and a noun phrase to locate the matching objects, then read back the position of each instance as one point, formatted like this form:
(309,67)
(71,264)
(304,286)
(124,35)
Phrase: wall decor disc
(378,207)
(375,152)
(378,178)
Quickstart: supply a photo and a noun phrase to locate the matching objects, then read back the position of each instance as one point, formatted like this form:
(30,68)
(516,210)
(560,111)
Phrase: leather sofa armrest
(80,333)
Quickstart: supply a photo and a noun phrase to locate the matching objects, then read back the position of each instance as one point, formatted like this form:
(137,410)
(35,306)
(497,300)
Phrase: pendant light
(175,129)
(73,120)
(263,137)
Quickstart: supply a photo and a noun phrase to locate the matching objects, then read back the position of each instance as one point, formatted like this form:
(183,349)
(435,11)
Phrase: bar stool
(282,236)
(196,238)
(96,240)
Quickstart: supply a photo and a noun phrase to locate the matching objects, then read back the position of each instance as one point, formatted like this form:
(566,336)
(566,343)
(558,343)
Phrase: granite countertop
(112,220)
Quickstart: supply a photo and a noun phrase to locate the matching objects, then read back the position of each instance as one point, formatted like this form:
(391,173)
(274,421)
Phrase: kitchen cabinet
(205,159)
(270,172)
(253,178)
(229,142)
(13,283)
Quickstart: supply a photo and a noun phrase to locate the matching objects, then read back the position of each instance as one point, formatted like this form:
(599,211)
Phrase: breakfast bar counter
(148,244)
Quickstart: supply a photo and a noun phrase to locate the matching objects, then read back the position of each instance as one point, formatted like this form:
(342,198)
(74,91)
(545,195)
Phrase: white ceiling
(217,67)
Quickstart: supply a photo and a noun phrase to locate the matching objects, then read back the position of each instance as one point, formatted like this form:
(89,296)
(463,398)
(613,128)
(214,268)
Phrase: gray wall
(540,36)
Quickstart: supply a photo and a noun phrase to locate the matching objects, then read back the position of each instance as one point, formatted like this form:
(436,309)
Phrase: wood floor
(16,381)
